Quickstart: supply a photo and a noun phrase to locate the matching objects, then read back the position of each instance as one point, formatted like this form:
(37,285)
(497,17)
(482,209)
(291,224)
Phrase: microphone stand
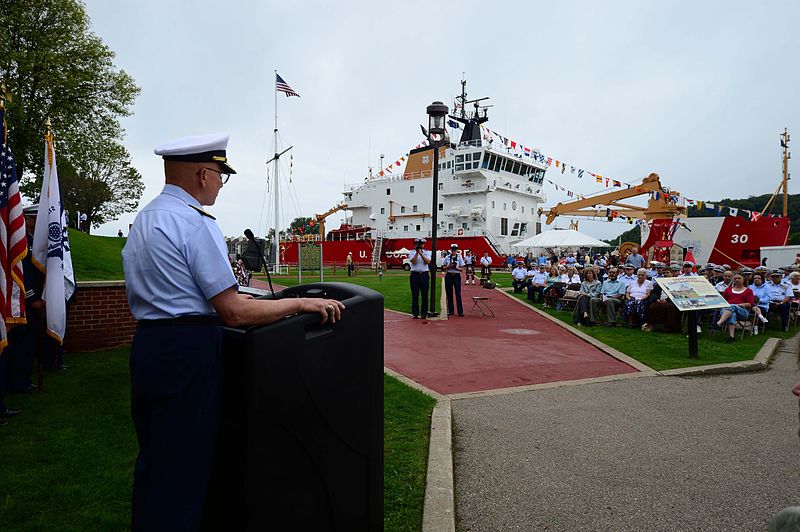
(249,234)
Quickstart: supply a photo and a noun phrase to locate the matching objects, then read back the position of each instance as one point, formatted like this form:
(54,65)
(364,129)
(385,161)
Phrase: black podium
(301,445)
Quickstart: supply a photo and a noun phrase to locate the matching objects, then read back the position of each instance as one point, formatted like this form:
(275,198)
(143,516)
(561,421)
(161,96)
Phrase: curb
(438,513)
(760,362)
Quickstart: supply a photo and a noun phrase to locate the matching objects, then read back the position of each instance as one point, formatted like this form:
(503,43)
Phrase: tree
(99,181)
(302,226)
(56,68)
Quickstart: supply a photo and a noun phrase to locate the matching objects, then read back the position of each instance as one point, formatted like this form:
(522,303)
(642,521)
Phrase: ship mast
(786,157)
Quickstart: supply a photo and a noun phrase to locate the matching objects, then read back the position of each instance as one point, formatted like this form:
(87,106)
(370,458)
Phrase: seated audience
(662,311)
(519,277)
(629,274)
(537,285)
(741,299)
(553,288)
(634,312)
(570,276)
(612,292)
(590,288)
(779,297)
(725,282)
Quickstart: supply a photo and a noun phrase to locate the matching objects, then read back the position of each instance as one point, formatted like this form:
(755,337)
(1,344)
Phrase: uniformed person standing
(453,264)
(181,289)
(420,280)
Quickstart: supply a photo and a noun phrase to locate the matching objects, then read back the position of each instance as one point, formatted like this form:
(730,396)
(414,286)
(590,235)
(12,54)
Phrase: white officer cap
(31,210)
(198,149)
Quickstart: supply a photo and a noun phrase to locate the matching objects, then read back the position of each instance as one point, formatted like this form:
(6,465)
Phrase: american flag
(282,86)
(13,242)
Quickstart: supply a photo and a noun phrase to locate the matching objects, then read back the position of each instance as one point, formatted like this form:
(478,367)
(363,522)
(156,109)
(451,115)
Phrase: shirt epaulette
(201,211)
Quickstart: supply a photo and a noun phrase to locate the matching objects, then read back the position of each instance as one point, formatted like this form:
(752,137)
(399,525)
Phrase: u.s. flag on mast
(51,253)
(13,242)
(282,86)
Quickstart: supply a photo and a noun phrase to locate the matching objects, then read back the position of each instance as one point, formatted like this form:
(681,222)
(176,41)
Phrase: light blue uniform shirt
(175,259)
(417,262)
(613,288)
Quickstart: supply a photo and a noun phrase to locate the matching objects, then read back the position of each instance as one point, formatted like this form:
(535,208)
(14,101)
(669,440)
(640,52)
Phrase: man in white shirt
(537,284)
(520,276)
(420,260)
(727,278)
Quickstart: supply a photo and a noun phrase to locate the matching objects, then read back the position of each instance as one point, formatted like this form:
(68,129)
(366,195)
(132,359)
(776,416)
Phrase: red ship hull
(335,251)
(732,240)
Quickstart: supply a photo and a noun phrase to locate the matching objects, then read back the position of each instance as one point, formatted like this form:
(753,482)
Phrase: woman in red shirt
(741,299)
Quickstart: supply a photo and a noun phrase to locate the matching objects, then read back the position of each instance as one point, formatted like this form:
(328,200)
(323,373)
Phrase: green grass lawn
(407,417)
(96,258)
(67,461)
(394,285)
(671,350)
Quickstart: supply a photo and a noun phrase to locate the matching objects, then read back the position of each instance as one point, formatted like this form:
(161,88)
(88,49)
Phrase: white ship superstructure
(484,190)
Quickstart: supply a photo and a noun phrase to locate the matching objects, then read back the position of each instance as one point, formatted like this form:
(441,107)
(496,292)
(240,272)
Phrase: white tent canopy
(559,239)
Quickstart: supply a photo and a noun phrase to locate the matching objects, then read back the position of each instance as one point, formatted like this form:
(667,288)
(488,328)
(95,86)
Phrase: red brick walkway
(518,347)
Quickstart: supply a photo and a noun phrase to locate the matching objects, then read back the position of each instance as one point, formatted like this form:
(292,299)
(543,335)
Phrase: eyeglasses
(224,176)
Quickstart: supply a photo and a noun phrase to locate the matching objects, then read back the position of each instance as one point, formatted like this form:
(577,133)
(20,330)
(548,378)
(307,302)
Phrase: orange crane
(663,206)
(320,218)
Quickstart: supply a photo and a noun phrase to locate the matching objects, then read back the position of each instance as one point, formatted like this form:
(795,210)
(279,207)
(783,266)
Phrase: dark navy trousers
(452,286)
(420,282)
(176,379)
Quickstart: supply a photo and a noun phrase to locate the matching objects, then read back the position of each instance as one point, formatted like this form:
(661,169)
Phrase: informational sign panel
(692,293)
(310,256)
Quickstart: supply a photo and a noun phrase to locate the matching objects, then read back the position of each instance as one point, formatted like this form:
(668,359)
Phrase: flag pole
(276,178)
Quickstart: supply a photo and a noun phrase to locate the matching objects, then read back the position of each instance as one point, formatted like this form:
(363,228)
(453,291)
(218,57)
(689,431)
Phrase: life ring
(460,232)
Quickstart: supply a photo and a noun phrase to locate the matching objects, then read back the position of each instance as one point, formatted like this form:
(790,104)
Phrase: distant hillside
(752,203)
(96,258)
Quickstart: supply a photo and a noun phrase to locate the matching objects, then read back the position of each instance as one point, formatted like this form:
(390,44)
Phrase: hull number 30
(739,239)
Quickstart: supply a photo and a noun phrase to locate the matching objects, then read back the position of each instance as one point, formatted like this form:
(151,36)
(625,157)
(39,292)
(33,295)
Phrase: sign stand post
(692,334)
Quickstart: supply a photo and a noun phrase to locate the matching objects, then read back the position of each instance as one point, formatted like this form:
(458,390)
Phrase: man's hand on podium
(329,309)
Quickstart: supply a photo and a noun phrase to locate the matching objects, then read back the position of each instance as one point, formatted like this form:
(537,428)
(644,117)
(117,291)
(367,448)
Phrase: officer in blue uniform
(25,340)
(419,260)
(453,264)
(181,289)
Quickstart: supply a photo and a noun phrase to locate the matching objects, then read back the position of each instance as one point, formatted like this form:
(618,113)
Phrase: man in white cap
(181,289)
(452,265)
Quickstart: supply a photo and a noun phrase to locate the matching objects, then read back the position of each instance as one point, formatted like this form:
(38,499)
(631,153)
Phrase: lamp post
(437,136)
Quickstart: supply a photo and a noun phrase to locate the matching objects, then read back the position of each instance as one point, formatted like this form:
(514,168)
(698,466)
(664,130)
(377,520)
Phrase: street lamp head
(437,111)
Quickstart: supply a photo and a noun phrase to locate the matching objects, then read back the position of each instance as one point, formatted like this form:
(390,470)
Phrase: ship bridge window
(508,165)
(515,230)
(459,167)
(523,229)
(476,156)
(486,158)
(413,208)
(496,161)
(405,228)
(516,169)
(459,158)
(411,189)
(388,191)
(383,210)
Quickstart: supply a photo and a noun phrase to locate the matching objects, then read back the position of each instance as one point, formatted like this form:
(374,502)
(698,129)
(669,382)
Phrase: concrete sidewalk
(653,453)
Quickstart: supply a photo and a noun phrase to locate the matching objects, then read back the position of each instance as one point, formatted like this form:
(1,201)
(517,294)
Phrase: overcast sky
(696,91)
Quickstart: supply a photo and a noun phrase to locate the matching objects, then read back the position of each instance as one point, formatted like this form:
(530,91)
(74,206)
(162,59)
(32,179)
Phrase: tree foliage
(56,68)
(303,226)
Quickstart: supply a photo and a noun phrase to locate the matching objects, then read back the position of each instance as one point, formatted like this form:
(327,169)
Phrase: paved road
(649,453)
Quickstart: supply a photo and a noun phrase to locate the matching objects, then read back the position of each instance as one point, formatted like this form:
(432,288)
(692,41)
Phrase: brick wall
(99,318)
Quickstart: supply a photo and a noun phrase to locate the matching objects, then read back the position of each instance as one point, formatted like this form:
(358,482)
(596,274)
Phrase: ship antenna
(463,96)
(786,157)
